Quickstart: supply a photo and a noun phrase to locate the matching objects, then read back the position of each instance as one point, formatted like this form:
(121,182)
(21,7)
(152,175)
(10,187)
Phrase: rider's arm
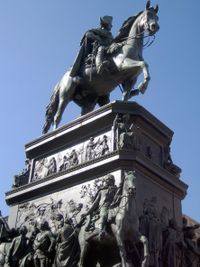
(93,36)
(94,204)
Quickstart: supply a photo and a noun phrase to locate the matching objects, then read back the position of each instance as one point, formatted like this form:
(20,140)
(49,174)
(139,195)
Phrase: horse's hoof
(134,92)
(142,87)
(143,90)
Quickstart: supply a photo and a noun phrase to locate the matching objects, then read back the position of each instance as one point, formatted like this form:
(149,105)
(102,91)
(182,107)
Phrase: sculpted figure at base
(90,149)
(19,248)
(22,178)
(168,163)
(191,251)
(125,134)
(52,167)
(43,246)
(67,247)
(4,241)
(116,227)
(65,163)
(103,144)
(4,229)
(102,203)
(170,240)
(104,63)
(150,226)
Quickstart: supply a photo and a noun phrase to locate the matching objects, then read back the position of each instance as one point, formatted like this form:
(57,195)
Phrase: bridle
(147,44)
(141,36)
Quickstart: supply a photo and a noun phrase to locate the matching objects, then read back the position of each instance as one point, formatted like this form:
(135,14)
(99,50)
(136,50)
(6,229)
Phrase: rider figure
(103,202)
(100,38)
(94,44)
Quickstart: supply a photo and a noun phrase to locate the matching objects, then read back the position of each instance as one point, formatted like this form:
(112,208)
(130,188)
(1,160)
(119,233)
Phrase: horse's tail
(51,109)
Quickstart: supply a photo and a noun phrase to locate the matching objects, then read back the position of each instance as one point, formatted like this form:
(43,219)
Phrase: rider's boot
(102,234)
(102,231)
(100,64)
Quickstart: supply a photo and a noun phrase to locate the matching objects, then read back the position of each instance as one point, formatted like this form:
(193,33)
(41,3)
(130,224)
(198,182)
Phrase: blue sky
(39,41)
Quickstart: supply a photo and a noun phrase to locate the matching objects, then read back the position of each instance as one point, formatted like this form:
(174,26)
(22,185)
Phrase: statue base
(68,166)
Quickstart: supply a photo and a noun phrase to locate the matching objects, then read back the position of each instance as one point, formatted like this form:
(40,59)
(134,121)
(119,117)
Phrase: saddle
(108,64)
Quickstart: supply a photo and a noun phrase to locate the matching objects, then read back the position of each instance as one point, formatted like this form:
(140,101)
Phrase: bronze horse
(126,64)
(124,229)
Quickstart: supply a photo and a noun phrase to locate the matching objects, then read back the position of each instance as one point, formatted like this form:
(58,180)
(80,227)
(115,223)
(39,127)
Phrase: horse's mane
(126,26)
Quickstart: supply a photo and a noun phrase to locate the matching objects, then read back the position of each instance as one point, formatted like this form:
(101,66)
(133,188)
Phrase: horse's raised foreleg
(143,85)
(144,241)
(127,87)
(136,67)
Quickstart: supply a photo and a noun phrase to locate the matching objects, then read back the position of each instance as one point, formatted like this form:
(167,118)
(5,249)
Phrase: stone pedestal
(68,170)
(64,162)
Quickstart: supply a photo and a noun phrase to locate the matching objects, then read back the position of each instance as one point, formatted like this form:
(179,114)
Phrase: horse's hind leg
(67,89)
(61,107)
(103,100)
(88,106)
(90,103)
(45,128)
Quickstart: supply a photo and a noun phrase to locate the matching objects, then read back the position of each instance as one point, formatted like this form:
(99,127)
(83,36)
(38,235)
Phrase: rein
(149,42)
(124,196)
(139,36)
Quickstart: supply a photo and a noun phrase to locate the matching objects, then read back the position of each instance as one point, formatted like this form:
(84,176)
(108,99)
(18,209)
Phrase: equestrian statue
(103,63)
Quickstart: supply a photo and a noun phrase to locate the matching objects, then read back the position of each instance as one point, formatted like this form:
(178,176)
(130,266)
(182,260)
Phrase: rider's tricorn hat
(106,20)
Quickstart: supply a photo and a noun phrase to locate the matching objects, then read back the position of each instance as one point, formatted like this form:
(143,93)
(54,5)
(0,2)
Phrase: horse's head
(149,19)
(129,183)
